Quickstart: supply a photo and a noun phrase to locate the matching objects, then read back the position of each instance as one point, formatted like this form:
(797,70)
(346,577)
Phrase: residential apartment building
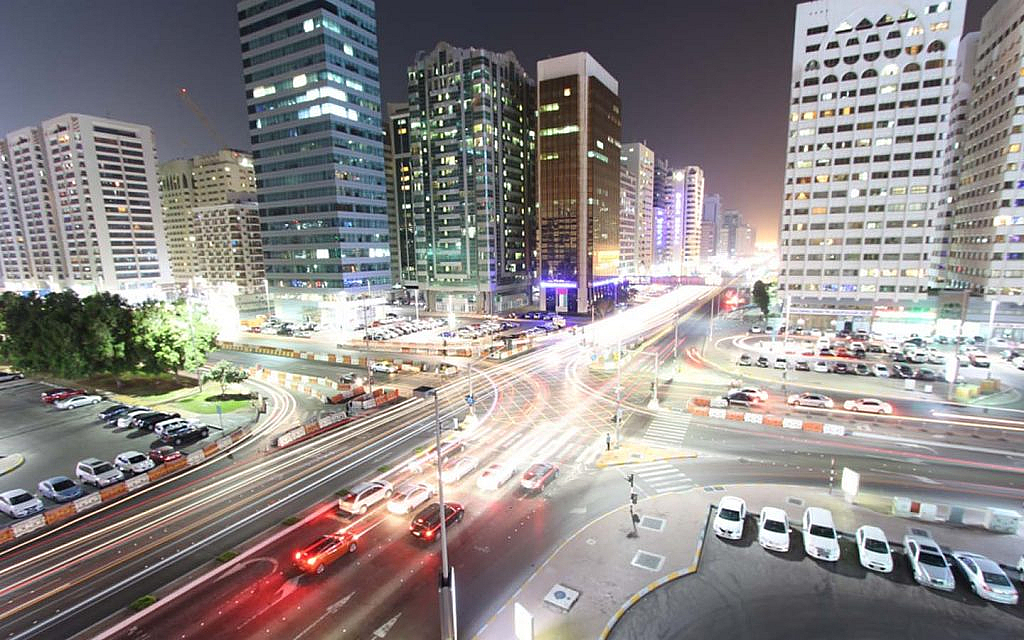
(579,148)
(870,101)
(312,83)
(177,196)
(398,170)
(627,222)
(639,161)
(472,154)
(689,211)
(663,252)
(678,209)
(736,239)
(709,225)
(86,194)
(986,249)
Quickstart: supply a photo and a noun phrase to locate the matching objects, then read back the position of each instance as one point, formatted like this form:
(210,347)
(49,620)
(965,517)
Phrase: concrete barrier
(195,458)
(772,421)
(137,482)
(113,491)
(792,423)
(58,514)
(28,525)
(833,429)
(734,415)
(754,418)
(815,427)
(717,413)
(87,501)
(700,402)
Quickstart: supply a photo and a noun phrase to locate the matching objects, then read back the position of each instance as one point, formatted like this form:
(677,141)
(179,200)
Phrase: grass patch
(203,403)
(290,520)
(384,467)
(142,603)
(227,555)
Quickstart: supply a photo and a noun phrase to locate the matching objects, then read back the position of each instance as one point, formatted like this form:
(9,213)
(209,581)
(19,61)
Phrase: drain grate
(647,560)
(652,523)
(797,501)
(562,597)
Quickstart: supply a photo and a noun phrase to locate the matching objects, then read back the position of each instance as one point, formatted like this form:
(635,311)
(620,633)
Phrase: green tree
(172,336)
(225,373)
(761,298)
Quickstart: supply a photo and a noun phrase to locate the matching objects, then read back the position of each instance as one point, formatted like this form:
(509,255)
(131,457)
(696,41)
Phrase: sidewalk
(611,572)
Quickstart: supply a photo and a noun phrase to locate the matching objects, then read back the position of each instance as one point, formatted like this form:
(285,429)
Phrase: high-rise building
(84,192)
(870,100)
(663,252)
(709,225)
(398,169)
(472,129)
(579,146)
(736,239)
(627,223)
(312,83)
(213,227)
(639,160)
(986,251)
(689,210)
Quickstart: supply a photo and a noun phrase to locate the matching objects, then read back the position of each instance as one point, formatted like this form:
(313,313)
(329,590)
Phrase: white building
(639,161)
(986,250)
(690,210)
(627,222)
(870,99)
(85,192)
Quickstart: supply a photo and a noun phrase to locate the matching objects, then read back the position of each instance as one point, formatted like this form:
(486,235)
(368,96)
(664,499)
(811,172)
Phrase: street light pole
(653,404)
(618,392)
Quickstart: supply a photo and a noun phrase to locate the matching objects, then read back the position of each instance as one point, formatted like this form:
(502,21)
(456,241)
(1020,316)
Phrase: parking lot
(743,591)
(53,440)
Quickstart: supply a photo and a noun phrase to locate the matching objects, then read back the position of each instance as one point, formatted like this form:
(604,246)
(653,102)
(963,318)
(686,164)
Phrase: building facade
(986,249)
(870,100)
(472,155)
(579,148)
(688,207)
(177,196)
(664,253)
(398,170)
(736,239)
(639,161)
(627,222)
(83,192)
(312,81)
(709,226)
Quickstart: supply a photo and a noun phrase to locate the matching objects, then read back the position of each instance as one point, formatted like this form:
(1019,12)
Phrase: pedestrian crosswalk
(667,429)
(661,477)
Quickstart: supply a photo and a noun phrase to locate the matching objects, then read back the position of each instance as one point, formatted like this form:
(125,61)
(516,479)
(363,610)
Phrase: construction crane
(191,104)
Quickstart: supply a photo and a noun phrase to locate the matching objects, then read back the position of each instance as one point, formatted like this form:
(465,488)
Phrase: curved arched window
(851,59)
(811,66)
(913,66)
(890,70)
(830,79)
(892,53)
(831,62)
(871,56)
(936,46)
(849,75)
(869,73)
(852,41)
(832,45)
(913,50)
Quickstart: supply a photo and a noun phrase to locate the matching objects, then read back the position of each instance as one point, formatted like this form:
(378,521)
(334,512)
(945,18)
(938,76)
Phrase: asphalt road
(743,591)
(540,412)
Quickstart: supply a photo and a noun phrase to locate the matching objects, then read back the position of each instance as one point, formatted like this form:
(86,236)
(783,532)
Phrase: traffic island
(11,461)
(632,453)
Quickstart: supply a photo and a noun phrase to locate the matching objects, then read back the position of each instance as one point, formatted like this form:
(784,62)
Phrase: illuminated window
(567,92)
(552,106)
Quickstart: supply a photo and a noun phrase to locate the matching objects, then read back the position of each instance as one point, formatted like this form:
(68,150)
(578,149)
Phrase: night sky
(702,82)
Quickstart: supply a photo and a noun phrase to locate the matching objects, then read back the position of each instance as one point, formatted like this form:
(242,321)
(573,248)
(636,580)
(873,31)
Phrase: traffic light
(633,496)
(630,479)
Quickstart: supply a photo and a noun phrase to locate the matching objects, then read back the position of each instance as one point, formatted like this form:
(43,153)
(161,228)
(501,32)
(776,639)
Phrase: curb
(675,575)
(604,464)
(9,463)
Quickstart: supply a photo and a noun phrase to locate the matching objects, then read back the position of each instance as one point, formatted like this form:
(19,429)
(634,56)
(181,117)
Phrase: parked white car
(879,370)
(773,529)
(19,503)
(97,472)
(409,496)
(873,549)
(986,577)
(134,462)
(382,366)
(495,475)
(729,518)
(821,366)
(868,405)
(820,538)
(928,563)
(76,401)
(125,419)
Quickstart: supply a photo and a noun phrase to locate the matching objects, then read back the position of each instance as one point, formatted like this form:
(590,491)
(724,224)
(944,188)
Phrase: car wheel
(177,441)
(387,494)
(352,547)
(319,569)
(362,509)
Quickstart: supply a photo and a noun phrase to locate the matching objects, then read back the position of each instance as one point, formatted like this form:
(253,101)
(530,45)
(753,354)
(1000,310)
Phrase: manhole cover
(591,541)
(562,597)
(797,501)
(652,523)
(647,560)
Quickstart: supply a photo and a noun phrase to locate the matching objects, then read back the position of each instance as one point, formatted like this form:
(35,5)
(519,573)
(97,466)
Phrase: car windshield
(63,485)
(21,497)
(321,545)
(877,546)
(730,514)
(996,579)
(774,525)
(102,468)
(931,559)
(822,532)
(137,458)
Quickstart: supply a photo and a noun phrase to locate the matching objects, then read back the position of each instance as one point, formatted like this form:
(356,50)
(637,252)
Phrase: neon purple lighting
(557,284)
(601,283)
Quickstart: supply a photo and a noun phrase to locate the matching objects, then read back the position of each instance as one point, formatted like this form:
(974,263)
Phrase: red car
(325,550)
(53,395)
(163,454)
(427,525)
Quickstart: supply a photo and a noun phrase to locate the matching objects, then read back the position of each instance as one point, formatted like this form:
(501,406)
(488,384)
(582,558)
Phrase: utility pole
(951,384)
(831,474)
(618,394)
(654,385)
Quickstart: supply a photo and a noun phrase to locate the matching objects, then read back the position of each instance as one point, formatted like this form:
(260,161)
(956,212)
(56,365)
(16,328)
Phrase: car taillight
(298,555)
(429,534)
(311,561)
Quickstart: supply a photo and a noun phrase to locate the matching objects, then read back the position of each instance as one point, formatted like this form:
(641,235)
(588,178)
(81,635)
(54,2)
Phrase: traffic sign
(470,400)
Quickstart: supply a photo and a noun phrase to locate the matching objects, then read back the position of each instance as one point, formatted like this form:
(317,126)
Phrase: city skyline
(204,39)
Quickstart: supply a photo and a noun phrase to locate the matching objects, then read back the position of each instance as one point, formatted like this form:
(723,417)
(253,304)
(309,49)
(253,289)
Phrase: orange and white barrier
(702,407)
